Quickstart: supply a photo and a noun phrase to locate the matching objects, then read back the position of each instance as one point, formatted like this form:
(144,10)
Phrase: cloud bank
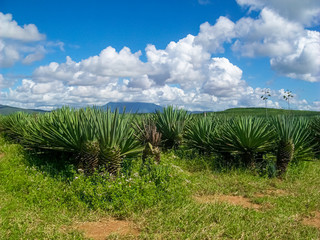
(187,73)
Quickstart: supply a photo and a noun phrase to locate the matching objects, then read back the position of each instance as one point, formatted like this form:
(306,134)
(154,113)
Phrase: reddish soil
(104,227)
(234,200)
(313,221)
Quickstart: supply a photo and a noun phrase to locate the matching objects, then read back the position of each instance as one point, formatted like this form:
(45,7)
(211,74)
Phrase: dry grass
(101,229)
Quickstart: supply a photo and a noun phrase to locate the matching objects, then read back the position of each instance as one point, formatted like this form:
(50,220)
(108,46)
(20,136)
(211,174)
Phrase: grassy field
(270,112)
(182,198)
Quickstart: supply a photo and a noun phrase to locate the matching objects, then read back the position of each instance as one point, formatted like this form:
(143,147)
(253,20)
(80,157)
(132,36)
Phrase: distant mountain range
(141,107)
(133,107)
(6,110)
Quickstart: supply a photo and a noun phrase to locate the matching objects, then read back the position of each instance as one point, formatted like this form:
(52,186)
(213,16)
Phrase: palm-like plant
(171,124)
(245,136)
(293,140)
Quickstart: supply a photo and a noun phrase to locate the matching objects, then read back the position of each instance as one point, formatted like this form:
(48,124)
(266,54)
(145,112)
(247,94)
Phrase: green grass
(270,111)
(41,200)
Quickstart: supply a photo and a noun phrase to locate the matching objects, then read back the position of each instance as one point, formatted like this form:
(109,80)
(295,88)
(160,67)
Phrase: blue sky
(196,54)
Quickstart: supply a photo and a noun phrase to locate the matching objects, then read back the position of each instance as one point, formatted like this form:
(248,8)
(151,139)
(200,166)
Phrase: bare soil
(313,221)
(272,193)
(234,200)
(1,155)
(101,229)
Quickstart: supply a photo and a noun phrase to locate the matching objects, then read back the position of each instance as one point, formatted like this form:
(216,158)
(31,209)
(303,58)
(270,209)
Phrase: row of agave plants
(249,138)
(98,138)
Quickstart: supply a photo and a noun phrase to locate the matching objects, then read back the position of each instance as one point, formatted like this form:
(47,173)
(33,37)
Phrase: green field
(270,111)
(212,182)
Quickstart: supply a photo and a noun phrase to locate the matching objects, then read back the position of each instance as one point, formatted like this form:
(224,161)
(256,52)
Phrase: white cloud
(8,54)
(224,79)
(184,73)
(304,62)
(213,37)
(293,50)
(11,30)
(25,44)
(270,35)
(104,68)
(306,12)
(5,83)
(113,64)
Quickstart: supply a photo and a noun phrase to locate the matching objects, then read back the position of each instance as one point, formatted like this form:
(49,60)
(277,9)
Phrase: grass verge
(42,200)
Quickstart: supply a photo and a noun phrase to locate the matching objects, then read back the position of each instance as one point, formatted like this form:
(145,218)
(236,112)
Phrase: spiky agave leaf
(200,133)
(68,129)
(293,133)
(245,136)
(171,124)
(315,134)
(115,136)
(13,125)
(146,132)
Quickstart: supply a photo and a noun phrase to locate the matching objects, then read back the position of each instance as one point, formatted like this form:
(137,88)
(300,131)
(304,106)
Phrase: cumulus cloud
(304,62)
(293,50)
(224,79)
(11,30)
(306,11)
(22,43)
(186,73)
(269,35)
(5,83)
(104,68)
(213,37)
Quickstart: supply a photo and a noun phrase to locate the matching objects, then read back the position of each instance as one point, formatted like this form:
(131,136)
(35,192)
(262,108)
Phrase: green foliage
(261,112)
(315,133)
(201,133)
(38,200)
(171,124)
(95,136)
(297,131)
(245,136)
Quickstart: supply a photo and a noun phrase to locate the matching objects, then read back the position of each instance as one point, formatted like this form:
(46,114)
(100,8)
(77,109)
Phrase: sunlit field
(88,173)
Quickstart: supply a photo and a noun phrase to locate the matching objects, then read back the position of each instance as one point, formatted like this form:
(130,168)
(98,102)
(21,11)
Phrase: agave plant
(200,134)
(95,137)
(315,131)
(293,140)
(14,124)
(115,137)
(246,136)
(147,134)
(171,124)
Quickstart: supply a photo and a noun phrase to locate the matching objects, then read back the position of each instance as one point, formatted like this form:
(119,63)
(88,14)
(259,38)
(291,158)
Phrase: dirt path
(313,221)
(234,200)
(101,229)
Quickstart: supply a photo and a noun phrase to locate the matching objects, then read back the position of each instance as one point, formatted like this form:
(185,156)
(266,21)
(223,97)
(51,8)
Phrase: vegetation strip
(78,165)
